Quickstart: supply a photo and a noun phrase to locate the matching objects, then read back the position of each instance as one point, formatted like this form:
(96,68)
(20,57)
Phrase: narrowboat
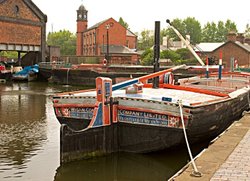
(139,116)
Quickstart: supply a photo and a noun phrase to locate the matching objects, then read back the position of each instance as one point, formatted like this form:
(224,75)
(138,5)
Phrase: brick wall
(117,34)
(229,50)
(131,42)
(8,9)
(81,27)
(18,24)
(20,34)
(92,41)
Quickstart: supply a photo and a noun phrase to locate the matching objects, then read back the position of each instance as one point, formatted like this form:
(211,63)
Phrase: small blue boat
(29,73)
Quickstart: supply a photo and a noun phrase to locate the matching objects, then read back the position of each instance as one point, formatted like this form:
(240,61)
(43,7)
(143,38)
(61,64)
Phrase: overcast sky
(141,14)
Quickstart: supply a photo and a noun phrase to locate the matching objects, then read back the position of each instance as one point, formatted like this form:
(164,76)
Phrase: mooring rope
(196,173)
(248,97)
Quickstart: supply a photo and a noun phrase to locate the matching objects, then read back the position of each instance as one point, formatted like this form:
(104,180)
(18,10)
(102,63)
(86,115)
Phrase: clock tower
(82,25)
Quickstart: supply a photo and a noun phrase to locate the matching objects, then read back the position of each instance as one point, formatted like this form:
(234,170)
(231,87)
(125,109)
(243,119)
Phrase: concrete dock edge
(211,159)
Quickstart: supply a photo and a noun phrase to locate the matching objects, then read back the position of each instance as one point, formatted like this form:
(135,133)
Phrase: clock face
(80,16)
(85,16)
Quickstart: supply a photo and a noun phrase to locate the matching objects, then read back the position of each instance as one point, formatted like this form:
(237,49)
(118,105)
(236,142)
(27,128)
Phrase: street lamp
(109,25)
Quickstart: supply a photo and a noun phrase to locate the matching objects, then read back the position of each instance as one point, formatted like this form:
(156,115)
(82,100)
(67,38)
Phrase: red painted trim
(240,74)
(74,92)
(210,101)
(156,74)
(197,90)
(74,105)
(148,110)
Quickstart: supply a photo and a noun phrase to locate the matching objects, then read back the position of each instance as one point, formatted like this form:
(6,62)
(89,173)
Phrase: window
(16,9)
(94,39)
(127,43)
(90,39)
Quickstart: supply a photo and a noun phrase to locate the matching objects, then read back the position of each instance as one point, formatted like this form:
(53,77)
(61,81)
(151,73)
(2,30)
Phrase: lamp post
(107,28)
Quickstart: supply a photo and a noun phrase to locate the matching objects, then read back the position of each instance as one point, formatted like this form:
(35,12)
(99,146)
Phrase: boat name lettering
(140,117)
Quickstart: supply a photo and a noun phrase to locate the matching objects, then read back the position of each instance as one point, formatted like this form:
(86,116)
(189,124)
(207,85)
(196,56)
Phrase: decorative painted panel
(81,113)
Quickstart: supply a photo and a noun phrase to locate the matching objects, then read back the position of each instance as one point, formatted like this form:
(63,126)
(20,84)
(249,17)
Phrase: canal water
(30,143)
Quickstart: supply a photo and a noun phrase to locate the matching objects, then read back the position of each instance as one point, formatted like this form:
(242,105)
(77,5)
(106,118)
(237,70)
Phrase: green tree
(230,26)
(123,23)
(209,32)
(184,53)
(247,31)
(146,40)
(217,33)
(147,57)
(65,39)
(179,25)
(192,28)
(11,54)
(189,26)
(169,54)
(221,32)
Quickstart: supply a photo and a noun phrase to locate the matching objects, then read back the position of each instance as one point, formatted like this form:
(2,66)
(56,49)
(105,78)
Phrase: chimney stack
(240,38)
(247,40)
(231,36)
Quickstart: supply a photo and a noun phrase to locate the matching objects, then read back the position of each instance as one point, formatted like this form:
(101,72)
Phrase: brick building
(106,38)
(236,47)
(22,28)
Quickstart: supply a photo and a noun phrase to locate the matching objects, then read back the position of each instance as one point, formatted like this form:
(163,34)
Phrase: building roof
(207,47)
(97,24)
(128,33)
(36,10)
(82,8)
(246,47)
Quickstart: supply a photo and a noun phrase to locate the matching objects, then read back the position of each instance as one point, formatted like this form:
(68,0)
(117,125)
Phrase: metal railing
(51,65)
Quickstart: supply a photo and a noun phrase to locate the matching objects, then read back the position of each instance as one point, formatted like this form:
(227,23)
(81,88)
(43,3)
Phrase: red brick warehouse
(107,38)
(22,28)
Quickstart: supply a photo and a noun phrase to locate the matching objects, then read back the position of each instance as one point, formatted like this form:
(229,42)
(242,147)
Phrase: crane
(186,43)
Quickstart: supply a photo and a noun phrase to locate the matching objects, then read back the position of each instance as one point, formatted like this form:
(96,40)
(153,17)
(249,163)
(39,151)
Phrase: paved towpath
(228,158)
(237,166)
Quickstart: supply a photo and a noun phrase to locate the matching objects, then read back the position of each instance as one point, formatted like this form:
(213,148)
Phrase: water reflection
(124,166)
(29,144)
(29,131)
(22,127)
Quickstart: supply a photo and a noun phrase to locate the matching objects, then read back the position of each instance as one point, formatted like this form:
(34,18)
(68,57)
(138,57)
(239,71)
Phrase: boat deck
(159,94)
(192,91)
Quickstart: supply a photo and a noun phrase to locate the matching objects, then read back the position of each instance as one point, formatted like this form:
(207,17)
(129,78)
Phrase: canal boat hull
(131,136)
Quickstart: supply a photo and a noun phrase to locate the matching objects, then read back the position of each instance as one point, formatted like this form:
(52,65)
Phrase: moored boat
(29,73)
(138,116)
(133,116)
